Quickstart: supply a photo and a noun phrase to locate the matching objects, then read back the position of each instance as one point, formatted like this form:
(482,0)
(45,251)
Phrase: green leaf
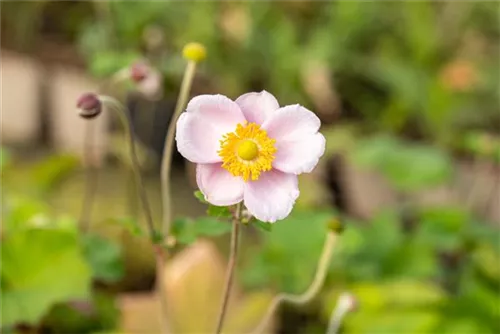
(40,267)
(107,63)
(104,257)
(187,230)
(183,230)
(130,224)
(442,228)
(199,195)
(407,167)
(211,227)
(287,257)
(267,227)
(218,211)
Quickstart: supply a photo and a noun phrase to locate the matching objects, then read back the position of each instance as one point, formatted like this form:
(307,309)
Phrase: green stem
(230,267)
(169,147)
(310,293)
(120,111)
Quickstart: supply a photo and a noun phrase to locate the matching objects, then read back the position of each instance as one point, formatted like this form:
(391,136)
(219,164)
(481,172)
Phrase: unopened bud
(348,302)
(335,225)
(195,52)
(139,71)
(89,105)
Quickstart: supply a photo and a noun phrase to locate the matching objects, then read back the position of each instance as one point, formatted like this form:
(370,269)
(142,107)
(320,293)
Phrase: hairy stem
(230,267)
(310,293)
(169,147)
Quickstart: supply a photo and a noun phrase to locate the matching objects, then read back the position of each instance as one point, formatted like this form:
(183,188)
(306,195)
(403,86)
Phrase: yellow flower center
(247,152)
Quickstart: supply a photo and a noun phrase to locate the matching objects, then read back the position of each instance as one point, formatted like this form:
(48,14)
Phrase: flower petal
(272,196)
(299,156)
(199,130)
(257,106)
(218,185)
(298,143)
(291,122)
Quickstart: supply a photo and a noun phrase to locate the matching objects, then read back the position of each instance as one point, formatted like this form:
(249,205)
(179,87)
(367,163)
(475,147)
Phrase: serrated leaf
(40,267)
(104,257)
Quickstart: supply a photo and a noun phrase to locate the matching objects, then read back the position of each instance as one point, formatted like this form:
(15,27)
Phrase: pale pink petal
(299,155)
(199,130)
(257,106)
(272,196)
(218,185)
(291,122)
(298,143)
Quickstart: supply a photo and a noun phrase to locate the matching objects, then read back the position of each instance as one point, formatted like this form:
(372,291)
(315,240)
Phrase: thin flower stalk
(159,251)
(168,149)
(233,255)
(310,293)
(120,112)
(345,304)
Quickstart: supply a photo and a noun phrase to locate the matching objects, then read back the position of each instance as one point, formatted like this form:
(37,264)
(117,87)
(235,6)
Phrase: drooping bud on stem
(89,105)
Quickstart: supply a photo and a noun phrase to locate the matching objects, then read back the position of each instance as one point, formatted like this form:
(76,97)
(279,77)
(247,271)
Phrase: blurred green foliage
(408,167)
(438,277)
(48,266)
(425,71)
(418,69)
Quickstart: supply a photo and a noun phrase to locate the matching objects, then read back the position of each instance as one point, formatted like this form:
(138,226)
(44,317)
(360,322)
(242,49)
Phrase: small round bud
(194,51)
(139,71)
(89,105)
(348,302)
(335,225)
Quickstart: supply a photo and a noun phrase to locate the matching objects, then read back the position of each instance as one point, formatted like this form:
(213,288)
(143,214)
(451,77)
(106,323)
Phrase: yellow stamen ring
(247,152)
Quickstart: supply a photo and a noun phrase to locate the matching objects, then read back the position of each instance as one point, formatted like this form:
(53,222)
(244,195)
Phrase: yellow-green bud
(335,225)
(195,52)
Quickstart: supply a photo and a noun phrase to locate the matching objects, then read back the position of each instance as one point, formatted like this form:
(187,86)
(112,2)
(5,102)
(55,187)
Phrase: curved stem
(310,293)
(339,312)
(230,267)
(169,147)
(120,111)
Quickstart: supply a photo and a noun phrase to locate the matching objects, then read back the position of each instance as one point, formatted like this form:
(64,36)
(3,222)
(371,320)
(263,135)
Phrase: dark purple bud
(89,105)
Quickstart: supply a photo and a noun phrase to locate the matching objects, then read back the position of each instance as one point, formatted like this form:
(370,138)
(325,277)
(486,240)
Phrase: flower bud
(348,302)
(139,71)
(335,225)
(89,105)
(195,52)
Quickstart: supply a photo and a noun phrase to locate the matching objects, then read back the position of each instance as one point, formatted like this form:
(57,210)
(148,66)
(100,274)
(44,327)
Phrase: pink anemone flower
(250,150)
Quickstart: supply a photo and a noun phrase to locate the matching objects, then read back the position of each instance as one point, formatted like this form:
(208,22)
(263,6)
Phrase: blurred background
(408,95)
